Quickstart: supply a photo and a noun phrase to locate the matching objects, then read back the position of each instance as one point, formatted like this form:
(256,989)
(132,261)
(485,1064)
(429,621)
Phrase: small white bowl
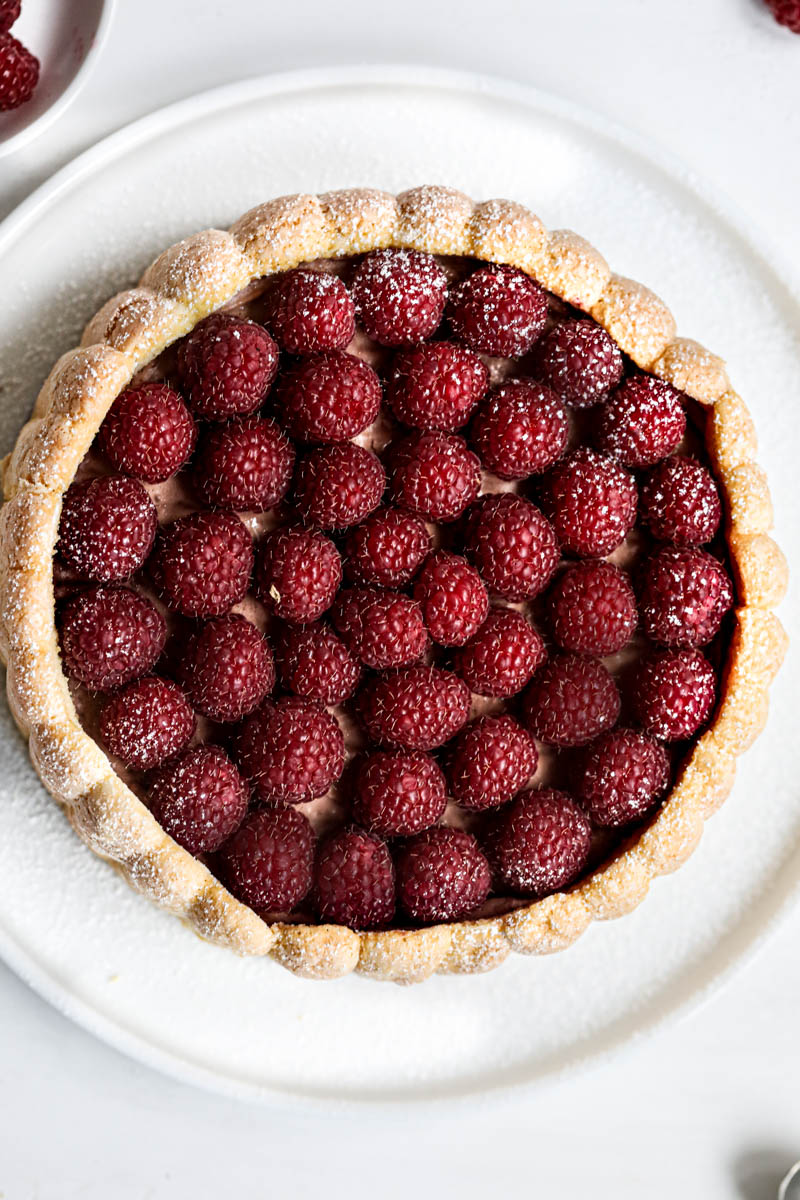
(66,36)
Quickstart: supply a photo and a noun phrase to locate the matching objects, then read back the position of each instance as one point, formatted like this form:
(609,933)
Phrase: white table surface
(709,1108)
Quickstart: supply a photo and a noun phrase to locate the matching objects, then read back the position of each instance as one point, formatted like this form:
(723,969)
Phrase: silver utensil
(790,1186)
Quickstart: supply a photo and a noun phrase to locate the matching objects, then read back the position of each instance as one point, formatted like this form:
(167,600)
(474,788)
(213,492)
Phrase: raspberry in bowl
(406,600)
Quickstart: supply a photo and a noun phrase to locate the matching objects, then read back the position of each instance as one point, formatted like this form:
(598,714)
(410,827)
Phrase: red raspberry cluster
(384,510)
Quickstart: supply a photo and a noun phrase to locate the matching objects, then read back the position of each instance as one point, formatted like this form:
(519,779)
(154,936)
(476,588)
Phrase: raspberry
(146,723)
(9,11)
(399,793)
(399,296)
(418,708)
(571,701)
(328,397)
(642,421)
(623,774)
(520,429)
(592,609)
(199,798)
(226,366)
(310,310)
(269,861)
(436,386)
(337,486)
(109,636)
(442,875)
(434,475)
(498,311)
(149,433)
(580,361)
(680,503)
(684,596)
(512,545)
(490,761)
(290,751)
(387,548)
(298,572)
(227,668)
(382,629)
(501,657)
(107,527)
(786,13)
(591,501)
(244,465)
(673,693)
(313,663)
(452,597)
(354,880)
(202,563)
(540,843)
(19,72)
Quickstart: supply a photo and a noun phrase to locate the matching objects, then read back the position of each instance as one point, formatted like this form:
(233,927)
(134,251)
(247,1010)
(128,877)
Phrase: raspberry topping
(9,11)
(418,708)
(202,563)
(512,545)
(434,475)
(244,465)
(680,502)
(436,386)
(642,421)
(19,72)
(540,843)
(498,311)
(442,874)
(592,609)
(398,794)
(109,636)
(328,397)
(310,310)
(580,361)
(786,13)
(226,366)
(520,429)
(298,572)
(107,528)
(490,761)
(452,597)
(501,657)
(684,596)
(571,701)
(149,433)
(624,773)
(227,668)
(387,548)
(354,880)
(337,486)
(290,751)
(269,861)
(382,629)
(146,723)
(313,663)
(419,634)
(199,798)
(673,693)
(399,296)
(591,501)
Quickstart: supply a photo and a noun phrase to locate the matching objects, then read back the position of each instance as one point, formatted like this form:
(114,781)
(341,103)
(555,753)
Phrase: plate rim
(780,902)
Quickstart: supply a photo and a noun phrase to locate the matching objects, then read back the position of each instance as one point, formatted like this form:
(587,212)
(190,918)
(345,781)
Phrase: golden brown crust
(184,284)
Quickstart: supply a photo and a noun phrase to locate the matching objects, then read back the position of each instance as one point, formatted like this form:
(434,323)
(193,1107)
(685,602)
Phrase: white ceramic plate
(66,36)
(135,976)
